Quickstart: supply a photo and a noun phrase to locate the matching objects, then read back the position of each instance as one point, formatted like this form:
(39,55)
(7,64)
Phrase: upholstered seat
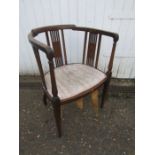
(75,79)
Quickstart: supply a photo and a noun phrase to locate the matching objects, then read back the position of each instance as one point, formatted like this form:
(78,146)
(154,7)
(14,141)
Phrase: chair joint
(55,101)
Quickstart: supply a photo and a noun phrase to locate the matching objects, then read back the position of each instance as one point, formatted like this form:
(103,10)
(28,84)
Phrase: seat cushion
(74,79)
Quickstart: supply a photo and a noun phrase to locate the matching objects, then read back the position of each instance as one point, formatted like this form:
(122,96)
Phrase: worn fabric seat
(74,79)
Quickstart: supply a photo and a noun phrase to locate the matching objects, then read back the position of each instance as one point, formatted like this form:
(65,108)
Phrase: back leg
(45,99)
(104,92)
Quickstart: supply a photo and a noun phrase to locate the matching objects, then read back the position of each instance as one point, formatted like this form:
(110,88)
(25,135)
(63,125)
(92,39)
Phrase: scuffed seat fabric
(74,79)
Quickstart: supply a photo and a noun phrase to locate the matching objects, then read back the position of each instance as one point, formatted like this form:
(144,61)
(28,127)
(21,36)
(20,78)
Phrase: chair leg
(104,92)
(44,99)
(57,114)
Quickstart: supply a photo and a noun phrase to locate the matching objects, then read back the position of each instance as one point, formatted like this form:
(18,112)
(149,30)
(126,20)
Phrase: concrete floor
(111,133)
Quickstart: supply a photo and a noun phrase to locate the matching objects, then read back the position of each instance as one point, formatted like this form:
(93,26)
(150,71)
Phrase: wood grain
(55,38)
(79,103)
(95,101)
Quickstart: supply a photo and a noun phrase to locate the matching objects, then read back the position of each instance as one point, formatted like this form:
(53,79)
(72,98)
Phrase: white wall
(111,15)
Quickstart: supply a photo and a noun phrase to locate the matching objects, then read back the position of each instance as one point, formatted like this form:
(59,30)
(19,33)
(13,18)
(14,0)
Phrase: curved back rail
(55,49)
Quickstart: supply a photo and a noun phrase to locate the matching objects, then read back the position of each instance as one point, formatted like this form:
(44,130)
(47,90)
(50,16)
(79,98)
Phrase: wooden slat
(55,38)
(47,38)
(84,48)
(64,47)
(98,51)
(91,49)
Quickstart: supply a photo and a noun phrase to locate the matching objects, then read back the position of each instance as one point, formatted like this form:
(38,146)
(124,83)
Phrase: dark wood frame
(54,54)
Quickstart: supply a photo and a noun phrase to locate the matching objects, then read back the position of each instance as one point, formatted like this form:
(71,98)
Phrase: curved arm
(43,47)
(36,31)
(50,55)
(102,32)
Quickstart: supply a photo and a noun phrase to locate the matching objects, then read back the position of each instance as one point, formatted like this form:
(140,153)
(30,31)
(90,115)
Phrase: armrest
(39,45)
(50,55)
(102,32)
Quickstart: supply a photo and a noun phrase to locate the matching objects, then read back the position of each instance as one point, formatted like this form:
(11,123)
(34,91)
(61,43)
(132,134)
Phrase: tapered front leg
(57,114)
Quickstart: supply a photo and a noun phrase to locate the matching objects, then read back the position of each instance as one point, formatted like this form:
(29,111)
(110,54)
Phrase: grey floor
(111,133)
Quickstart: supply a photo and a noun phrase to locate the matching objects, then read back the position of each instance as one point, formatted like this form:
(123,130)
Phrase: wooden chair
(68,82)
